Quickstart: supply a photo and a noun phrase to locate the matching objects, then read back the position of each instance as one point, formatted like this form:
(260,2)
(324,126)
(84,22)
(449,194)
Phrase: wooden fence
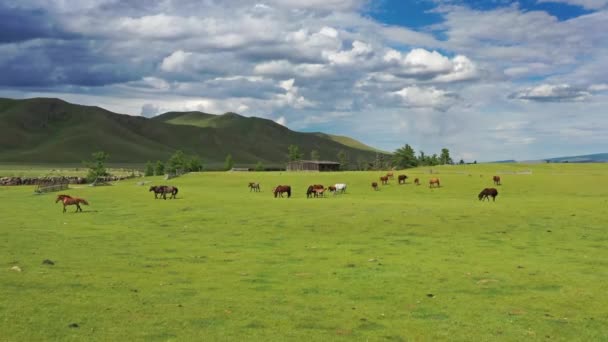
(42,188)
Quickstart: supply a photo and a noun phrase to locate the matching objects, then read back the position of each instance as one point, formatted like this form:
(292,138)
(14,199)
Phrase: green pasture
(406,263)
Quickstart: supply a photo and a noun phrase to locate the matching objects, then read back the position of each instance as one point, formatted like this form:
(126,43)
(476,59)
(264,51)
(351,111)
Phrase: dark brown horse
(279,190)
(417,181)
(158,189)
(496,180)
(375,186)
(384,180)
(401,179)
(333,189)
(254,187)
(170,190)
(487,193)
(434,183)
(69,200)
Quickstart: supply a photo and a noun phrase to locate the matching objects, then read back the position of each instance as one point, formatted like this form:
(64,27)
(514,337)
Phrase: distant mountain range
(588,158)
(48,130)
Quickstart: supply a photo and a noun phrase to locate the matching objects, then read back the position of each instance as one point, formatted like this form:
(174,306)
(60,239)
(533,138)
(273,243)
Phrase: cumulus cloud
(429,97)
(281,121)
(431,65)
(551,93)
(149,110)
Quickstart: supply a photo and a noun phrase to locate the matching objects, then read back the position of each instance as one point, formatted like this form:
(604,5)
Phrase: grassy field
(74,170)
(405,263)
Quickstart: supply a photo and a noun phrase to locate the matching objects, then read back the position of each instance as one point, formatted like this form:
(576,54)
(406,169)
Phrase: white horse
(340,187)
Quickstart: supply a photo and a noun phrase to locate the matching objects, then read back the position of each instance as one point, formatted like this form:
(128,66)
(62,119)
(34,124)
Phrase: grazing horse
(496,180)
(417,181)
(279,190)
(333,189)
(487,192)
(390,175)
(384,180)
(69,200)
(169,190)
(434,183)
(319,192)
(401,179)
(340,187)
(158,189)
(310,192)
(254,187)
(375,186)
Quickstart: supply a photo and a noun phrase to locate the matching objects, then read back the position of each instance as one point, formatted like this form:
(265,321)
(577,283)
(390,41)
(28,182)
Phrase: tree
(434,160)
(362,164)
(149,169)
(475,162)
(177,163)
(259,166)
(314,155)
(228,163)
(294,153)
(97,166)
(343,160)
(422,159)
(196,164)
(159,169)
(405,157)
(461,162)
(445,157)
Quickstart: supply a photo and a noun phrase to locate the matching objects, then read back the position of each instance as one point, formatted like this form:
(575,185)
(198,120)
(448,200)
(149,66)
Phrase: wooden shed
(313,165)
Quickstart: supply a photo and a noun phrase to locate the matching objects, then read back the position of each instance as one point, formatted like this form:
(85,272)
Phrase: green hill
(44,130)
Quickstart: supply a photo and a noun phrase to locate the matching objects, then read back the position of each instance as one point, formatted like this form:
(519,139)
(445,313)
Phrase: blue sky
(490,80)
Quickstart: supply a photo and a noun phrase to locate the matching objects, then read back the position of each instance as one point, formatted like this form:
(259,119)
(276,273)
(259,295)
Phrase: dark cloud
(18,25)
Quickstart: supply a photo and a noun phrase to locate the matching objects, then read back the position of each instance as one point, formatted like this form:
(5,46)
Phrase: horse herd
(313,191)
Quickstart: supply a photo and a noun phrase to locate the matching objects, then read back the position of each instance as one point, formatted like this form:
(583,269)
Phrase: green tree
(461,162)
(434,160)
(378,162)
(362,164)
(259,166)
(293,152)
(228,163)
(445,157)
(149,169)
(97,166)
(343,160)
(196,164)
(405,157)
(314,155)
(159,168)
(177,163)
(422,159)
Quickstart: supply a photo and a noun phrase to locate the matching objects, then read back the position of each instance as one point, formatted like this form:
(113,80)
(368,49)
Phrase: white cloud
(176,61)
(431,65)
(429,97)
(281,121)
(552,93)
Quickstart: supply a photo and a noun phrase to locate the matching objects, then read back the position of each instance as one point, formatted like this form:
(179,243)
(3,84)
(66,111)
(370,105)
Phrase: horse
(69,200)
(401,179)
(390,175)
(158,189)
(310,192)
(434,183)
(279,190)
(496,180)
(333,189)
(384,180)
(487,192)
(375,186)
(340,187)
(319,192)
(254,187)
(417,181)
(169,190)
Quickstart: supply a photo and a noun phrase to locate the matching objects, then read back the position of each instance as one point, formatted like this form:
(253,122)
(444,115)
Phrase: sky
(490,80)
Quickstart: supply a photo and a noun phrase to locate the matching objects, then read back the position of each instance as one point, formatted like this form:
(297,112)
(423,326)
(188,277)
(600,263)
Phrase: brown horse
(254,187)
(279,190)
(375,186)
(417,181)
(434,183)
(69,200)
(384,180)
(158,189)
(487,193)
(390,175)
(496,180)
(401,179)
(169,190)
(333,189)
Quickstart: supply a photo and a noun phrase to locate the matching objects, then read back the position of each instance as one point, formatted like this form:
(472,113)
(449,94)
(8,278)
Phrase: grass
(403,263)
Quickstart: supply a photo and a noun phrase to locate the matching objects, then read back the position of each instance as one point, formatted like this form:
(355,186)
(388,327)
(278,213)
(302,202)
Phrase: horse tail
(175,190)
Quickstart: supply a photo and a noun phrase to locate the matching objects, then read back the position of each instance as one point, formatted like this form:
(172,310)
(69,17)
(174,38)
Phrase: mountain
(46,130)
(588,158)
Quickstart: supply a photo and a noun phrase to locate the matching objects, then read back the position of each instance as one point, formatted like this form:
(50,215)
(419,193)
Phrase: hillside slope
(51,130)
